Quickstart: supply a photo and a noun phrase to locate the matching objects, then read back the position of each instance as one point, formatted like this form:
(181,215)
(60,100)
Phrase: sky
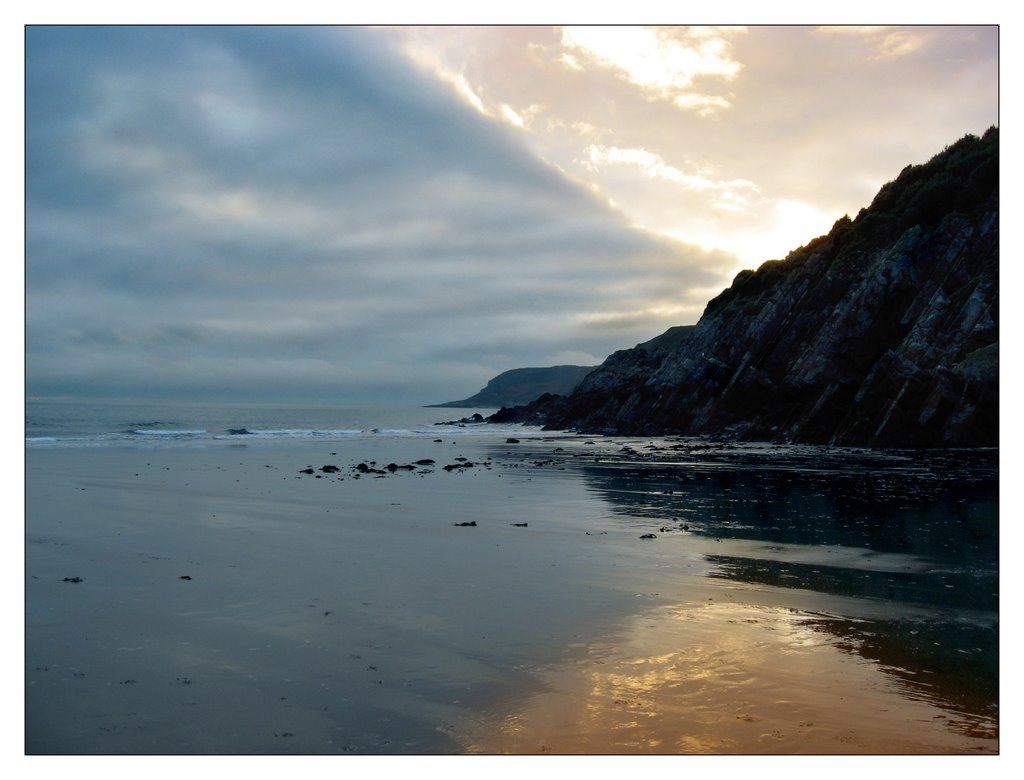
(354,215)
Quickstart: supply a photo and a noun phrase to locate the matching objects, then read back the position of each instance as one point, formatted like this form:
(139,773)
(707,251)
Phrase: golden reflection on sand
(725,678)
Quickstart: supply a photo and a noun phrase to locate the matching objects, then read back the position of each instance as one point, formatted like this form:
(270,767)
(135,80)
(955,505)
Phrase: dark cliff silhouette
(884,332)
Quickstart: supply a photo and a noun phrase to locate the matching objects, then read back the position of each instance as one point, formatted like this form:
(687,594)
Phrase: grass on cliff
(961,178)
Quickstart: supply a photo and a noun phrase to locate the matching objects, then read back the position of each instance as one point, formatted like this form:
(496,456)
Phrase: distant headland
(522,385)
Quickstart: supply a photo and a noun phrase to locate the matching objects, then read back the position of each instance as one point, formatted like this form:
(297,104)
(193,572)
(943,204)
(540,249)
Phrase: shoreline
(354,615)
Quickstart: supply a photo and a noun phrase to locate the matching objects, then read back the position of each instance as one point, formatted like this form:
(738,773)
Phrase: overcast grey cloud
(352,215)
(261,213)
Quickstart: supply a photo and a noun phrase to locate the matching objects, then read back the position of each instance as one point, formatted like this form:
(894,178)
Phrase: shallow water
(328,613)
(903,545)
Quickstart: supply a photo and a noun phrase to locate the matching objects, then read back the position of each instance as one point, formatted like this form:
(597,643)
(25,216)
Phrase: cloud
(809,122)
(663,62)
(267,213)
(887,42)
(571,357)
(654,167)
(402,213)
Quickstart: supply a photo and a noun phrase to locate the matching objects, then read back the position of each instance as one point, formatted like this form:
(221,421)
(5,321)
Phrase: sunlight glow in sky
(661,65)
(578,93)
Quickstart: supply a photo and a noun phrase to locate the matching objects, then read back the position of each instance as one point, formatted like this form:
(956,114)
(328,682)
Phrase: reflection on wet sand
(850,605)
(932,662)
(729,678)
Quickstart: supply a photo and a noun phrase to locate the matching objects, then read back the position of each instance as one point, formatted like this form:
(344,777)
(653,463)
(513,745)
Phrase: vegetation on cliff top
(959,178)
(884,332)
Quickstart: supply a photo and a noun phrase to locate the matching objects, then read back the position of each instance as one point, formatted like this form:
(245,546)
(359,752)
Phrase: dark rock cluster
(473,419)
(422,466)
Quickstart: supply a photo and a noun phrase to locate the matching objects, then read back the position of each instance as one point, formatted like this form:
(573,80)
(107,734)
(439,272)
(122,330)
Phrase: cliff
(521,385)
(884,332)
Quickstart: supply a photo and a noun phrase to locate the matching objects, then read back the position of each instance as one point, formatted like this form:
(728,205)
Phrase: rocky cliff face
(882,333)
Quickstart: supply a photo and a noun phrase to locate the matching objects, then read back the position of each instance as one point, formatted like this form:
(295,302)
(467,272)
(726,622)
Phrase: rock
(305,471)
(73,579)
(510,440)
(882,333)
(474,419)
(329,469)
(648,536)
(471,523)
(520,525)
(184,577)
(425,462)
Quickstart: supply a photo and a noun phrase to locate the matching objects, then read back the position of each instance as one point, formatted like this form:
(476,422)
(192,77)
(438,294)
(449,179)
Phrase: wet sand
(218,600)
(729,677)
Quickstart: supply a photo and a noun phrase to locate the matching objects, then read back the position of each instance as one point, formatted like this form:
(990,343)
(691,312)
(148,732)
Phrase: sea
(65,423)
(905,542)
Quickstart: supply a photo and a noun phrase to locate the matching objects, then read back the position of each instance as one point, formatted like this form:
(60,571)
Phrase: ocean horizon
(70,423)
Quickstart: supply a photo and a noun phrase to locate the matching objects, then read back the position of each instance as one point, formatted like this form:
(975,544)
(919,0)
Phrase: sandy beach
(216,599)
